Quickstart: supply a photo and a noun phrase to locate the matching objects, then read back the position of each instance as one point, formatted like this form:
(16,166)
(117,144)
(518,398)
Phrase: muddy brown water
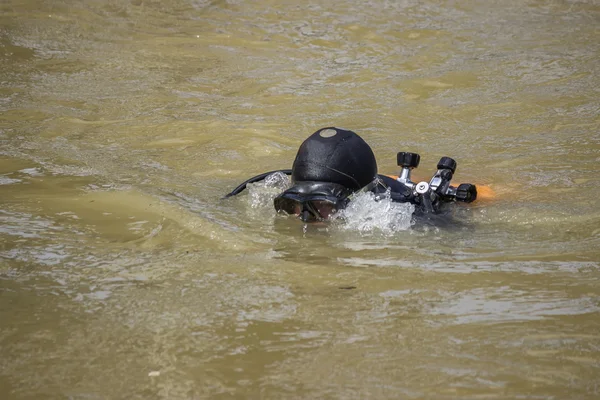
(124,275)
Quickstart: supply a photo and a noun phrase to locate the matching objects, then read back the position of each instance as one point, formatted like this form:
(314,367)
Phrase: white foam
(370,213)
(4,180)
(262,193)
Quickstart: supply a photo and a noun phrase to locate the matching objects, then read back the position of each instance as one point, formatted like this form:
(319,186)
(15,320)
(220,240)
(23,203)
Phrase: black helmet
(330,165)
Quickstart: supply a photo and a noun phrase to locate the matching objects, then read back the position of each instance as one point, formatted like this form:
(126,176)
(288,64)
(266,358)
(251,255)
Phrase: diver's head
(330,165)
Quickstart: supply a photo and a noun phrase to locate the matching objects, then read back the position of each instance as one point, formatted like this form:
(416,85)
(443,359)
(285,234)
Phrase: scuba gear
(429,196)
(333,164)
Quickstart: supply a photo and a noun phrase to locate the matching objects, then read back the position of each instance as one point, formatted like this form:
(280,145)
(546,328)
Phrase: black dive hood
(335,156)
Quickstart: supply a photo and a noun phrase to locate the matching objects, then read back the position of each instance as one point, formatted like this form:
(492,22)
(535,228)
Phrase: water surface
(123,274)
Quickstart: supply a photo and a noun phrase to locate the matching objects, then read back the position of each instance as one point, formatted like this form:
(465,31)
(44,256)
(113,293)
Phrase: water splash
(369,213)
(262,193)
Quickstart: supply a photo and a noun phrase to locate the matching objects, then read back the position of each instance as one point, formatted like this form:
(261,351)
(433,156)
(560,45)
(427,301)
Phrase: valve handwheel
(408,160)
(447,163)
(466,192)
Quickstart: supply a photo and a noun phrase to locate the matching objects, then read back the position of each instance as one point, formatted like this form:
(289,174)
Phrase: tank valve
(408,161)
(430,195)
(440,182)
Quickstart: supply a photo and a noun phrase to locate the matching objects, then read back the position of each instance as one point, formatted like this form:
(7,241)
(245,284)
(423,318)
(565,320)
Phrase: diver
(333,165)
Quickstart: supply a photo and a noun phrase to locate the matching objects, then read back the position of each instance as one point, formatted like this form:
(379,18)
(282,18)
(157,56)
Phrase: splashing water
(262,193)
(366,213)
(370,213)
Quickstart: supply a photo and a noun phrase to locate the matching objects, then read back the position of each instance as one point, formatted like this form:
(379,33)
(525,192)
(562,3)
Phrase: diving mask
(312,201)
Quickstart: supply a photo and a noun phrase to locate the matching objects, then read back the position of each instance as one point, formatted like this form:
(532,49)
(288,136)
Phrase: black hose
(256,178)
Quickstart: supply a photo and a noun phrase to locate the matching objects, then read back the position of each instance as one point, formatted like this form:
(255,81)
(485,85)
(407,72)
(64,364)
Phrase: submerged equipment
(333,164)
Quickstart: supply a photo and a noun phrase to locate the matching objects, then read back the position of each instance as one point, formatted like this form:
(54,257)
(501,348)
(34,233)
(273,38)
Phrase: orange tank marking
(485,193)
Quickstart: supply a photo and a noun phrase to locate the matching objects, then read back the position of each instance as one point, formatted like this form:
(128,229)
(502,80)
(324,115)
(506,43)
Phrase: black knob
(466,192)
(447,163)
(410,160)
